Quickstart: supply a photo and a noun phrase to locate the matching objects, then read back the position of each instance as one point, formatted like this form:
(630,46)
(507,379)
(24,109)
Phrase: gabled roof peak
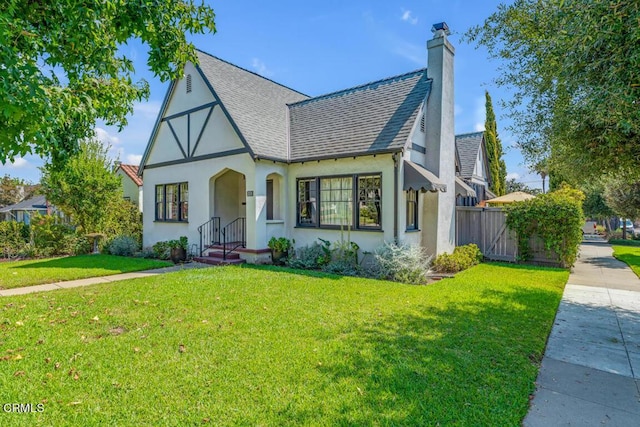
(249,71)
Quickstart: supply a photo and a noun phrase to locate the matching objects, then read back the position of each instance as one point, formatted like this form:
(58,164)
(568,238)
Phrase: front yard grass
(630,254)
(271,346)
(15,274)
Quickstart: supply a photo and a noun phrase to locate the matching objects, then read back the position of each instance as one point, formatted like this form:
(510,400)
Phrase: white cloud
(18,163)
(261,68)
(513,175)
(105,137)
(407,16)
(134,159)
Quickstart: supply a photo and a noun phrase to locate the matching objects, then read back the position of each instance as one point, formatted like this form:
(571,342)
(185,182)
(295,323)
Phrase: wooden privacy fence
(487,228)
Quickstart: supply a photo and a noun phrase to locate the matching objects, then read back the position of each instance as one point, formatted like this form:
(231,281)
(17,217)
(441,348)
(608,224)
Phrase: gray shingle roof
(467,146)
(32,204)
(257,105)
(375,117)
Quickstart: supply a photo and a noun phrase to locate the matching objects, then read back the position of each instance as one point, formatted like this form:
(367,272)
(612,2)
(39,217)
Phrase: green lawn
(629,254)
(36,272)
(270,346)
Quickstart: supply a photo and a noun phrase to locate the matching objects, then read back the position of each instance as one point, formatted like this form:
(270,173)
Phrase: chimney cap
(441,27)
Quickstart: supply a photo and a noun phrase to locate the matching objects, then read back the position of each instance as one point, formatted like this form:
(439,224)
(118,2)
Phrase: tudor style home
(235,159)
(472,169)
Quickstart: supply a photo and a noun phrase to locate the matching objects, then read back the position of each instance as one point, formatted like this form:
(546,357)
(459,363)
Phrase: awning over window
(418,178)
(463,189)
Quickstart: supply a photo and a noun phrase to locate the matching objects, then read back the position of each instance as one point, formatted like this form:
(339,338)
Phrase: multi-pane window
(183,201)
(336,201)
(172,202)
(342,201)
(159,202)
(369,198)
(307,202)
(412,210)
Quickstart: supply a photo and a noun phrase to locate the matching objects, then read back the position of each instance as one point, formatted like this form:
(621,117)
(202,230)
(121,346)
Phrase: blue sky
(318,47)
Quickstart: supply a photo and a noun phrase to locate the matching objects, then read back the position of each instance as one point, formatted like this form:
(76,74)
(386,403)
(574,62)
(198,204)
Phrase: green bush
(14,238)
(123,246)
(556,218)
(311,257)
(463,257)
(51,237)
(162,250)
(399,263)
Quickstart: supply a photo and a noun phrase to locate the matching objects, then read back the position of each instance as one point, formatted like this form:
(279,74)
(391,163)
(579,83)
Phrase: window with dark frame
(412,210)
(334,197)
(172,202)
(369,199)
(307,198)
(269,199)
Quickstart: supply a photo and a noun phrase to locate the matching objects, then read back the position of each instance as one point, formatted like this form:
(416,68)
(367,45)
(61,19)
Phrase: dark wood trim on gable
(195,159)
(204,125)
(191,110)
(175,136)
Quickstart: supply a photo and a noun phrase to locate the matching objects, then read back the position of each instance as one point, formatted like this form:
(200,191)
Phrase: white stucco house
(131,184)
(237,158)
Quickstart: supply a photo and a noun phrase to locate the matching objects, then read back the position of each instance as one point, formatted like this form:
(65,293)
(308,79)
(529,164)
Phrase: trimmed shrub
(400,263)
(463,257)
(123,246)
(52,238)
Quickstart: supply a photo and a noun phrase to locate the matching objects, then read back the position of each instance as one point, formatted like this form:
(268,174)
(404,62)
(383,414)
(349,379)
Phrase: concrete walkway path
(590,373)
(102,279)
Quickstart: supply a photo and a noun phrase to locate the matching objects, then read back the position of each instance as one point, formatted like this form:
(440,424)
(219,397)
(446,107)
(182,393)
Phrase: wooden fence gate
(487,228)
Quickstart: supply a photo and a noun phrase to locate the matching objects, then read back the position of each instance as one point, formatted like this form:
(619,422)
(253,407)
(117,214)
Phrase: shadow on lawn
(469,363)
(78,261)
(308,273)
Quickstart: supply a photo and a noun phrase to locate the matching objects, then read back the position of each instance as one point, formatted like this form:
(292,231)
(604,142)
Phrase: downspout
(396,170)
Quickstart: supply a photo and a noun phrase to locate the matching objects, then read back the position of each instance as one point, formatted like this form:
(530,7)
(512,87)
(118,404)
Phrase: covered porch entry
(226,230)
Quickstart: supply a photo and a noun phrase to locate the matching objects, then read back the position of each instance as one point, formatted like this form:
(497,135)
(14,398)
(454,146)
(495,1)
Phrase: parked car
(628,225)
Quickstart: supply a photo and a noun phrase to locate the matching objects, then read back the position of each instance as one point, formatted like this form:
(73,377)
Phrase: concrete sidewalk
(102,279)
(590,373)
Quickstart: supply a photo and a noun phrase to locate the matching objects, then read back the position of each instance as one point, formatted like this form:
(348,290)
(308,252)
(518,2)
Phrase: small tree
(85,188)
(11,190)
(623,196)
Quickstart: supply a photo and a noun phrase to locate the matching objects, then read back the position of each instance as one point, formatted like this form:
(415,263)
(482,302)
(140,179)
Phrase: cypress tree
(497,167)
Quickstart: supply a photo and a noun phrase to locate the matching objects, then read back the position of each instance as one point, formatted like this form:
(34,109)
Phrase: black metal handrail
(209,234)
(233,236)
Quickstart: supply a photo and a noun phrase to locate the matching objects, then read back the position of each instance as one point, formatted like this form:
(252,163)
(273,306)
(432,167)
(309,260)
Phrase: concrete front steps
(215,258)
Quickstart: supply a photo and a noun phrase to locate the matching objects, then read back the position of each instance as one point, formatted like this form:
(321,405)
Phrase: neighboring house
(472,169)
(131,183)
(23,211)
(235,156)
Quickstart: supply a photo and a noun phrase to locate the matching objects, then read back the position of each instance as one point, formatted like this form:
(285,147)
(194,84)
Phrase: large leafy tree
(574,67)
(61,67)
(497,166)
(86,188)
(11,190)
